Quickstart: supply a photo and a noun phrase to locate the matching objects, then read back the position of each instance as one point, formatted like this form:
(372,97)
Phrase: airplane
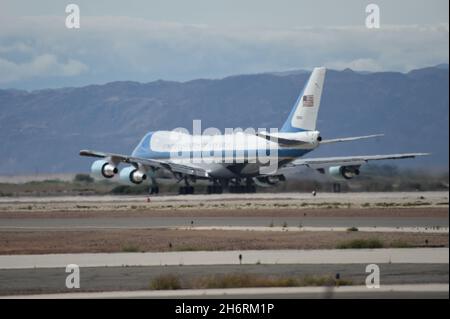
(236,166)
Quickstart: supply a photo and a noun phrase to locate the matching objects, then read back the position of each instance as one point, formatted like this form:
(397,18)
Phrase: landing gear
(215,189)
(249,186)
(336,188)
(236,188)
(154,190)
(185,190)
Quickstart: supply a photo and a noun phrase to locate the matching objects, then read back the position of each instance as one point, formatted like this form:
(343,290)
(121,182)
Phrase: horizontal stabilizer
(348,139)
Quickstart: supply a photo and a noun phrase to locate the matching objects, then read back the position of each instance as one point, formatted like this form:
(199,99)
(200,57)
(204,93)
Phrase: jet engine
(105,169)
(131,175)
(344,172)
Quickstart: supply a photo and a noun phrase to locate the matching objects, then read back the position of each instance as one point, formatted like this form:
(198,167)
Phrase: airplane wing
(348,160)
(153,163)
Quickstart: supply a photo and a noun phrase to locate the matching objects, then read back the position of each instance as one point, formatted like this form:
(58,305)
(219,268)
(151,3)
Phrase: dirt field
(30,242)
(426,205)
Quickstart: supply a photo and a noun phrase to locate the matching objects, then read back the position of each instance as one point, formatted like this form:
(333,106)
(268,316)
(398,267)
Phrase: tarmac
(327,256)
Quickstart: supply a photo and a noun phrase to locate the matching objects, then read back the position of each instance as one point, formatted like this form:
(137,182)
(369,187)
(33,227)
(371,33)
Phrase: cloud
(41,66)
(126,48)
(18,47)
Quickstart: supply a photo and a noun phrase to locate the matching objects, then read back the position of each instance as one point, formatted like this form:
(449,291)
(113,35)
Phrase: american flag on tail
(308,100)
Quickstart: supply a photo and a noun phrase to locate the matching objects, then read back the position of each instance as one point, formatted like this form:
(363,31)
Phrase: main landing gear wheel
(184,190)
(215,189)
(154,190)
(248,187)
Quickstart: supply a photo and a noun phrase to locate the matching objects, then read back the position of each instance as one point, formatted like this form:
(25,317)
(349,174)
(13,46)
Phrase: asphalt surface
(162,222)
(326,256)
(363,197)
(389,292)
(52,280)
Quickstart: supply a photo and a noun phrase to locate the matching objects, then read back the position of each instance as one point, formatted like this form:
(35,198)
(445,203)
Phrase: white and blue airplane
(227,162)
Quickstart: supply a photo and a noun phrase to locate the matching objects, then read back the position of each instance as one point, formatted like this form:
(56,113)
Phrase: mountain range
(42,131)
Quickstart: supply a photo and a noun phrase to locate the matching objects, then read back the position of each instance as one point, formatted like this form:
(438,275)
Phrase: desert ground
(117,225)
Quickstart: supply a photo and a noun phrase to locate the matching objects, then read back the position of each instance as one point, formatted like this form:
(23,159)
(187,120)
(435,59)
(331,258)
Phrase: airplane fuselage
(223,156)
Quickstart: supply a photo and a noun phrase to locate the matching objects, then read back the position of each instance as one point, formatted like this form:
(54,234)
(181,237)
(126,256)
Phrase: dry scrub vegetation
(39,242)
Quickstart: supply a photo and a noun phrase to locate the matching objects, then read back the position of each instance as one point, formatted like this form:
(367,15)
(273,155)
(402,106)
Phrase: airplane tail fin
(303,116)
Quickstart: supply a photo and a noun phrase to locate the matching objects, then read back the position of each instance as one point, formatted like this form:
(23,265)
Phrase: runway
(138,278)
(166,222)
(328,256)
(228,223)
(357,197)
(432,291)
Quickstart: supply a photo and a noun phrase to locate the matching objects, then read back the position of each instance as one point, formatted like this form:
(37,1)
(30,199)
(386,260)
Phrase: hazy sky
(188,39)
